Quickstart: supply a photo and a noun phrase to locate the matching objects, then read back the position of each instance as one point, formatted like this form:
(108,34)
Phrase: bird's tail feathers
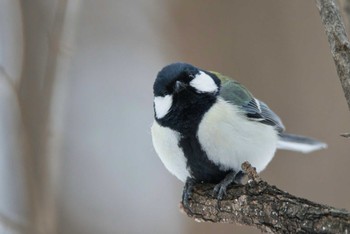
(299,143)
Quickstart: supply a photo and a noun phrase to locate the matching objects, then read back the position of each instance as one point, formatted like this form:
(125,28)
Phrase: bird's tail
(299,143)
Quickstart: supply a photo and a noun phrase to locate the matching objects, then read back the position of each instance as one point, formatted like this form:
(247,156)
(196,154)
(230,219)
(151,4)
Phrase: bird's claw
(187,192)
(220,189)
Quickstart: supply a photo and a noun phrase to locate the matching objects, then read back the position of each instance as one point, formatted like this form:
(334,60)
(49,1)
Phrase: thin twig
(250,171)
(338,41)
(345,9)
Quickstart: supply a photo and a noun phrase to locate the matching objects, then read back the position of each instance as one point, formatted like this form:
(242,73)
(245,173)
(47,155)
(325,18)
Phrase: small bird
(207,124)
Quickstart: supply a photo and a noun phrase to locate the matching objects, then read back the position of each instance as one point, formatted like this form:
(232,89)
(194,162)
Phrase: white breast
(229,138)
(165,142)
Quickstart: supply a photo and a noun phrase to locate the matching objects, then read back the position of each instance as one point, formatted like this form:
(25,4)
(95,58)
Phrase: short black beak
(179,86)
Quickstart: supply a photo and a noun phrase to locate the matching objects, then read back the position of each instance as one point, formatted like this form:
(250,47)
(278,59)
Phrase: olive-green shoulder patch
(232,91)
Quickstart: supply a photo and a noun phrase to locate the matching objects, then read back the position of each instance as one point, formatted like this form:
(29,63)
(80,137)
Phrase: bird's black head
(179,76)
(180,87)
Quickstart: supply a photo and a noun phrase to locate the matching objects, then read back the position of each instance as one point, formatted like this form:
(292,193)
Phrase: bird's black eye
(179,86)
(191,72)
(191,76)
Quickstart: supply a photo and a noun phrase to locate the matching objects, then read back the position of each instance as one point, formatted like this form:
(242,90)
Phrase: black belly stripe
(200,167)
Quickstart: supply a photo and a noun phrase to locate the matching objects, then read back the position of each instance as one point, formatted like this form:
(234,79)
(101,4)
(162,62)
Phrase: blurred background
(76,106)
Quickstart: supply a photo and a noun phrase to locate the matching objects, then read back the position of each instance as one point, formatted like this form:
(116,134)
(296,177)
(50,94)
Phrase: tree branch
(265,207)
(345,10)
(338,42)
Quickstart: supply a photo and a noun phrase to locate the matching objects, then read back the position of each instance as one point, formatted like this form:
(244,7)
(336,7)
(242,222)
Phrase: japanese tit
(206,125)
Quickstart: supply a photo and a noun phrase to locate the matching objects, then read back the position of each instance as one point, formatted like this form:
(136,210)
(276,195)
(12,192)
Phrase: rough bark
(344,6)
(338,41)
(265,207)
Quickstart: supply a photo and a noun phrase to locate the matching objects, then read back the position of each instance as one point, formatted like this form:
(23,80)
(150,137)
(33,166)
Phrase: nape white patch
(204,83)
(166,144)
(162,105)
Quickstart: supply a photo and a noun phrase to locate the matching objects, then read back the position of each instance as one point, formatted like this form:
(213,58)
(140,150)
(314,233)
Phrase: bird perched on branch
(206,125)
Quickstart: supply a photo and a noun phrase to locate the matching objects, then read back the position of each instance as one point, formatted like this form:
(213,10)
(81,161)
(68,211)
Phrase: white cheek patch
(162,105)
(204,83)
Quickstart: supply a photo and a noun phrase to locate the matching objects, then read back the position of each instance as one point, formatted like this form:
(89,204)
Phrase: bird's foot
(187,192)
(221,188)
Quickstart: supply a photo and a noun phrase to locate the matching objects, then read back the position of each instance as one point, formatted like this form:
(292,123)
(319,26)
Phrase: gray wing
(258,111)
(255,110)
